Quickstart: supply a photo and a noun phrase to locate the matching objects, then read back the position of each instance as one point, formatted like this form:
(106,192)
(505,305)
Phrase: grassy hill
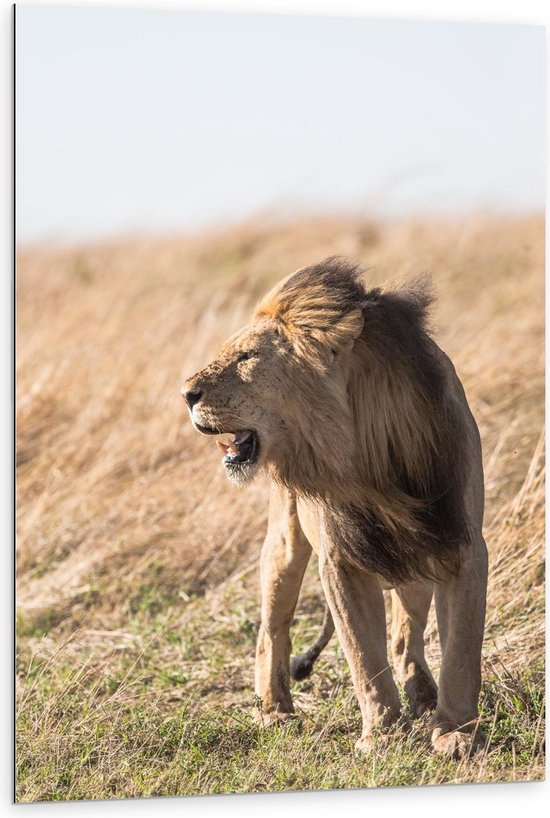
(138,563)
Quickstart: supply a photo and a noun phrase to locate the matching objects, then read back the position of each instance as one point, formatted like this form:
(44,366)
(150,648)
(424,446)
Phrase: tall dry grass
(120,504)
(111,478)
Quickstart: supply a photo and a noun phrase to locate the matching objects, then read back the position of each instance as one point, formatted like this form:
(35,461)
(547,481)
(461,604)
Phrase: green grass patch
(169,712)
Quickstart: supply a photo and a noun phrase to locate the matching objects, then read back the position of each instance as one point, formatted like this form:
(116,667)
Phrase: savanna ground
(138,563)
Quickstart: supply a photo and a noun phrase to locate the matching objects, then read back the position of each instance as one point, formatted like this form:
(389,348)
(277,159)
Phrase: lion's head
(279,385)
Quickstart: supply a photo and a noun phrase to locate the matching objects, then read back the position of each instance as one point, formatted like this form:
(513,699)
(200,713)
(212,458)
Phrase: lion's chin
(240,474)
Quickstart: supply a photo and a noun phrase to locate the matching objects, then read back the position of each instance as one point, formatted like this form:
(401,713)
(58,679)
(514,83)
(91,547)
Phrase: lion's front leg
(460,607)
(357,605)
(284,558)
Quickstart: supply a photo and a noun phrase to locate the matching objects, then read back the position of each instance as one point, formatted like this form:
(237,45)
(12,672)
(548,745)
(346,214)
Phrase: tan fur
(364,427)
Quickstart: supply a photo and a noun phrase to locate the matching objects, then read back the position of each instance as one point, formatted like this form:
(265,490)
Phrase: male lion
(342,397)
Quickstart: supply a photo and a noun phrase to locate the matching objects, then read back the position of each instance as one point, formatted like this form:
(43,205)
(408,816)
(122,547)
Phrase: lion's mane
(384,453)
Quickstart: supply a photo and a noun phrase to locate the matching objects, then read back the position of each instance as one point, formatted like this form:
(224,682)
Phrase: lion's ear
(340,339)
(354,328)
(342,336)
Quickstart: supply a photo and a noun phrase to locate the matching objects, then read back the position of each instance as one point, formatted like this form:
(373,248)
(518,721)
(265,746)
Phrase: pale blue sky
(133,120)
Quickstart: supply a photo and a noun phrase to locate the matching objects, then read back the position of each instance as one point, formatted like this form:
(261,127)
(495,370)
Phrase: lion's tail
(302,664)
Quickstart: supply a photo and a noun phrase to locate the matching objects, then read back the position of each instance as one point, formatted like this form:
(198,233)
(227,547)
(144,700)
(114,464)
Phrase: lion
(342,397)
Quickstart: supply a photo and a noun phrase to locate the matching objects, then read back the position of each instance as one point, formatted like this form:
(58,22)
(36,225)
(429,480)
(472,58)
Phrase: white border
(494,11)
(500,800)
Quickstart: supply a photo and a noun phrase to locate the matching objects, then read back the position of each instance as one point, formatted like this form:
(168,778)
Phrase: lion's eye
(244,356)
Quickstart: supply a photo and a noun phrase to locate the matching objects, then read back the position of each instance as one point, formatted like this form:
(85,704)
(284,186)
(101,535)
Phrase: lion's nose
(191,398)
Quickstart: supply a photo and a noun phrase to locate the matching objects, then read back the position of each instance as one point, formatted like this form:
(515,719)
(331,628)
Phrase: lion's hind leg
(410,606)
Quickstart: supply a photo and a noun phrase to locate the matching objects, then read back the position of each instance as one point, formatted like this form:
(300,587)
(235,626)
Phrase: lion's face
(242,393)
(279,386)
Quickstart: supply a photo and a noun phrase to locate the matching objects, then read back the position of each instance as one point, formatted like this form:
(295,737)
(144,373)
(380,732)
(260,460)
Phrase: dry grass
(129,535)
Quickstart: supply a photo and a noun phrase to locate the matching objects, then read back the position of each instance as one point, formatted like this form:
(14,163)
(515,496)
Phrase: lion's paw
(379,739)
(273,718)
(366,744)
(423,707)
(457,743)
(421,692)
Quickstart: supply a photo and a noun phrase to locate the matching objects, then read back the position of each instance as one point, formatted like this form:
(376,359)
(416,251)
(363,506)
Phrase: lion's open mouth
(243,449)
